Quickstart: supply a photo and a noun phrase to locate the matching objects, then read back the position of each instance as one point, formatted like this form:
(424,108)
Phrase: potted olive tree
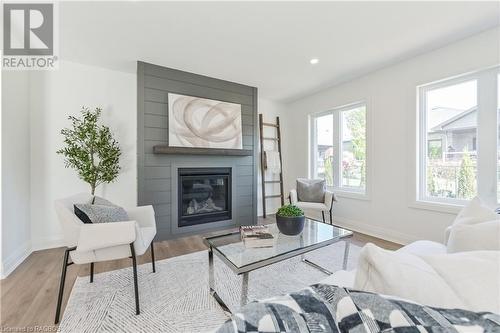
(90,149)
(290,220)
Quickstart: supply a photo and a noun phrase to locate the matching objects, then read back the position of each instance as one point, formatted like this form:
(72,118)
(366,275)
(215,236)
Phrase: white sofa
(463,272)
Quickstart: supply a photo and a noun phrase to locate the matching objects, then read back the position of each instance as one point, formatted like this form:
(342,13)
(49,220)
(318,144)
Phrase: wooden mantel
(165,149)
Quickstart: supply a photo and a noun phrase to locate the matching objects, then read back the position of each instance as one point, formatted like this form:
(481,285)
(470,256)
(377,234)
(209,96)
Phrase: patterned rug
(176,298)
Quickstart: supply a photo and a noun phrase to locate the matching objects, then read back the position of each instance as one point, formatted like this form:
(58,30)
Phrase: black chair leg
(91,272)
(136,287)
(323,214)
(153,257)
(61,283)
(331,217)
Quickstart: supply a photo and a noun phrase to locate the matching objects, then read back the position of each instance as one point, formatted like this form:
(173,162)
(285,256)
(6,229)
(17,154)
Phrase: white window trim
(487,125)
(342,191)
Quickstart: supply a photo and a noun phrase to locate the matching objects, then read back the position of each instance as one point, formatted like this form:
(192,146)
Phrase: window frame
(336,112)
(485,85)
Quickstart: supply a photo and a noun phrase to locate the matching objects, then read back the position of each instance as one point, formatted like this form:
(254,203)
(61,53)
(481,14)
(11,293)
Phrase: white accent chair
(323,207)
(91,243)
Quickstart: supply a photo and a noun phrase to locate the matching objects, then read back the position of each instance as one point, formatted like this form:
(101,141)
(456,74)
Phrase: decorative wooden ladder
(263,162)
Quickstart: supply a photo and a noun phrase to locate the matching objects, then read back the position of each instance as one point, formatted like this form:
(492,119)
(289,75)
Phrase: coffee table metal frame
(246,269)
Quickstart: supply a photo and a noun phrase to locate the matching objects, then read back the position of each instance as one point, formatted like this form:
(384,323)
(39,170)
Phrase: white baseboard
(15,259)
(48,243)
(375,231)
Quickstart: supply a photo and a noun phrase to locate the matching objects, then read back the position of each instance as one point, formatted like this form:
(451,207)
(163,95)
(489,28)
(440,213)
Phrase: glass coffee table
(242,260)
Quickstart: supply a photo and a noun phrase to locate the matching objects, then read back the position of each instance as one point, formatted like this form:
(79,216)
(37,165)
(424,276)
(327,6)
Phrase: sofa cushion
(311,190)
(475,237)
(403,275)
(419,248)
(423,247)
(325,308)
(474,276)
(467,280)
(475,212)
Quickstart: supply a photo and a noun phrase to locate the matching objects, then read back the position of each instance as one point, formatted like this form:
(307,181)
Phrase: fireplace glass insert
(204,195)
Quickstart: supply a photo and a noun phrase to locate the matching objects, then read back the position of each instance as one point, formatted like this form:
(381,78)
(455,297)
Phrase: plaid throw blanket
(325,308)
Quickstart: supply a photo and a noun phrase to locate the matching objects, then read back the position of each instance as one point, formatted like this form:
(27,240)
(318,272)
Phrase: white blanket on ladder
(273,162)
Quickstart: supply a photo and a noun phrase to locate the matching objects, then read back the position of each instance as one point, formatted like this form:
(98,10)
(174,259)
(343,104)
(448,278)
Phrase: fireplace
(204,195)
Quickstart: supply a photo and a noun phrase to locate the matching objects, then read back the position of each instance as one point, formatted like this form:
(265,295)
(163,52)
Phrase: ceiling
(266,44)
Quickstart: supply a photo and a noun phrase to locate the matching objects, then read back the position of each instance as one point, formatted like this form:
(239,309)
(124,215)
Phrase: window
(353,148)
(323,148)
(338,139)
(451,118)
(456,137)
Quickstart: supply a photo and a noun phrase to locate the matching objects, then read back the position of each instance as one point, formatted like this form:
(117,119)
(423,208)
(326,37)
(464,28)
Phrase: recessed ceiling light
(314,61)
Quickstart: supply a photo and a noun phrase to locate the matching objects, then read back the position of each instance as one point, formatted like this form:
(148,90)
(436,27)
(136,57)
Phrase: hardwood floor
(29,294)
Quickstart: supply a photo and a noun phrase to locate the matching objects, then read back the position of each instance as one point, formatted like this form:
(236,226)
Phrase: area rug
(176,298)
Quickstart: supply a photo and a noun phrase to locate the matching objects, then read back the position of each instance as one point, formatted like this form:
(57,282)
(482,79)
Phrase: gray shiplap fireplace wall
(157,173)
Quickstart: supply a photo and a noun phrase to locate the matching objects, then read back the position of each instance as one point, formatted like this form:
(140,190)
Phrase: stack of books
(256,236)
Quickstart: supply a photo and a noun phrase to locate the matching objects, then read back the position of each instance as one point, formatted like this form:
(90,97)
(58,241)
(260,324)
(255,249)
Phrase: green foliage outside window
(328,165)
(466,178)
(435,150)
(356,122)
(431,183)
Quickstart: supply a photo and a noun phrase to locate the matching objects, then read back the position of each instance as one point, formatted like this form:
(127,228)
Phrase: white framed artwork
(203,123)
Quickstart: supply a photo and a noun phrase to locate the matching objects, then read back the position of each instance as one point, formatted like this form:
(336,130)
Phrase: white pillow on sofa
(403,275)
(474,212)
(466,280)
(475,237)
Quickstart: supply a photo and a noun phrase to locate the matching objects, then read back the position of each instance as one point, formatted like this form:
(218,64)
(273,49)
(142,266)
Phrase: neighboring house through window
(454,123)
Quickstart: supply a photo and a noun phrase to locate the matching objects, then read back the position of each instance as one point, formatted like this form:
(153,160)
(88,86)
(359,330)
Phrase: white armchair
(90,243)
(326,206)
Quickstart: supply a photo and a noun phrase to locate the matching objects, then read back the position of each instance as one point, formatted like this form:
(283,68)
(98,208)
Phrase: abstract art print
(203,123)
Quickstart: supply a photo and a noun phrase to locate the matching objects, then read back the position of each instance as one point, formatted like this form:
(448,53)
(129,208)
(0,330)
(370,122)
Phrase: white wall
(270,110)
(54,96)
(391,97)
(16,234)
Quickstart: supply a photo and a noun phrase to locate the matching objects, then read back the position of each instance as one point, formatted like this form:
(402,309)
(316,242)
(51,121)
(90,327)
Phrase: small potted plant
(290,220)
